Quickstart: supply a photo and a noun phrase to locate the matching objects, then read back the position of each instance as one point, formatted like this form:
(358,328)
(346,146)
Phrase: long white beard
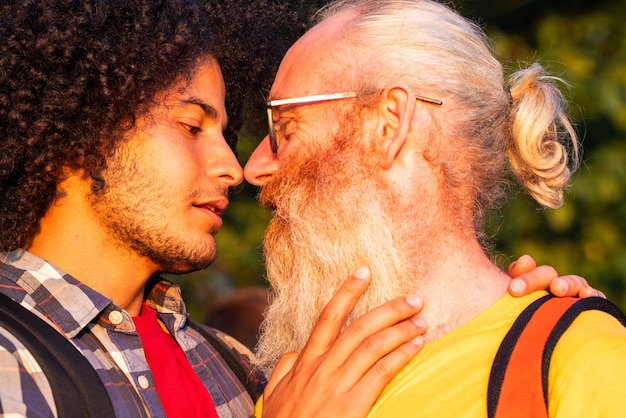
(334,214)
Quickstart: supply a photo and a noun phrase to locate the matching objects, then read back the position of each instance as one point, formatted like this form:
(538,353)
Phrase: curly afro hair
(74,76)
(253,37)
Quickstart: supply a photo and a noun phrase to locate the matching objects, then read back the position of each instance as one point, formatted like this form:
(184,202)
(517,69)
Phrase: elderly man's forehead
(329,29)
(310,57)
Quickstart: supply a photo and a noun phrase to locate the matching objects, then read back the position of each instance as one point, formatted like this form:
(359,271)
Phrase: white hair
(485,123)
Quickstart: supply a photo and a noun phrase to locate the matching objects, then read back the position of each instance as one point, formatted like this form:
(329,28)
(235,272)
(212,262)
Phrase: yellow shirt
(449,377)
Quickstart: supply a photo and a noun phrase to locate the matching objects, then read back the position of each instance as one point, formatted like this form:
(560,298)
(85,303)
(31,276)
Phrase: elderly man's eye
(285,127)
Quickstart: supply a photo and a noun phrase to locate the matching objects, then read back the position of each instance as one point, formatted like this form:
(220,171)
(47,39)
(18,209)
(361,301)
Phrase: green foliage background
(582,42)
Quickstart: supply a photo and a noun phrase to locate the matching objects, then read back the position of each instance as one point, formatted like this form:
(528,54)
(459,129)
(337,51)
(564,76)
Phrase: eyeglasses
(312,99)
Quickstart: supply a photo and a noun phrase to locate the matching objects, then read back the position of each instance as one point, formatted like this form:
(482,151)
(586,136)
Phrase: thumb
(522,265)
(283,367)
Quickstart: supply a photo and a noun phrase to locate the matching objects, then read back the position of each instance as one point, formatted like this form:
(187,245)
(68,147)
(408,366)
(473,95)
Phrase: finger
(569,285)
(373,383)
(588,291)
(522,265)
(284,366)
(572,285)
(382,345)
(370,326)
(539,278)
(333,316)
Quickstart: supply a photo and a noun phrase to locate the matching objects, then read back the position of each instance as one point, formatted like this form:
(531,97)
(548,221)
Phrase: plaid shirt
(109,342)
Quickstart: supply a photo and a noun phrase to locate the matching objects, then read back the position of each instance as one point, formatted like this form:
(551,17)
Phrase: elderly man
(390,131)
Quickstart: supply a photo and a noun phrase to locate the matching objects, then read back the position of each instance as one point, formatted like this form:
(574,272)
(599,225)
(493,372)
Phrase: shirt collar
(70,304)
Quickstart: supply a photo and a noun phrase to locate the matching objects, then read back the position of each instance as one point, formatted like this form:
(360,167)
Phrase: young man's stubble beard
(131,208)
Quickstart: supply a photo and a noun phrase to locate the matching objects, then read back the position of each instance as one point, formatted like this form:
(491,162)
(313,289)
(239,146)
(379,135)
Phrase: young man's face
(167,185)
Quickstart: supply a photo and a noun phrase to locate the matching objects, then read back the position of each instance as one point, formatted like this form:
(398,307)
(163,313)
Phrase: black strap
(251,378)
(585,304)
(501,361)
(77,390)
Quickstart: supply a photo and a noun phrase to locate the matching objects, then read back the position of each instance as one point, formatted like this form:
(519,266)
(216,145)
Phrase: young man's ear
(397,109)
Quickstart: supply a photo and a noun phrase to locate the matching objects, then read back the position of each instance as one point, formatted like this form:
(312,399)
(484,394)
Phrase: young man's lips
(216,206)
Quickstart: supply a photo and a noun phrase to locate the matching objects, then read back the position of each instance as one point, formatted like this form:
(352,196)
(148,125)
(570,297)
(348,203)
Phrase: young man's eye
(193,130)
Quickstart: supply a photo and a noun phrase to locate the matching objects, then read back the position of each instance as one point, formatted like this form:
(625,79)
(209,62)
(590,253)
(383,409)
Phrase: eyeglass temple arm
(428,100)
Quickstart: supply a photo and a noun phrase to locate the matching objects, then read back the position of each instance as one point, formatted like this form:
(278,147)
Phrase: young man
(390,127)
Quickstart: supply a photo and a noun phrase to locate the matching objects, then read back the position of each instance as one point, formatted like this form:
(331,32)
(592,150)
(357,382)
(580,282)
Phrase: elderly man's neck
(460,283)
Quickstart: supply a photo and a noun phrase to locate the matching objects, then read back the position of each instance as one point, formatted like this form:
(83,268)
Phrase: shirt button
(116,317)
(143,382)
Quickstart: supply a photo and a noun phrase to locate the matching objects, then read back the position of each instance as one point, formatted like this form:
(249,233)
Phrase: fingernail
(517,286)
(561,284)
(418,341)
(419,321)
(414,300)
(362,273)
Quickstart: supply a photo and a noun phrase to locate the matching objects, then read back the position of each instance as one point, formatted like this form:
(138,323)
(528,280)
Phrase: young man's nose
(227,168)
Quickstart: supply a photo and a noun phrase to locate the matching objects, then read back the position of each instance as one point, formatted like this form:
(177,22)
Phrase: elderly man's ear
(396,110)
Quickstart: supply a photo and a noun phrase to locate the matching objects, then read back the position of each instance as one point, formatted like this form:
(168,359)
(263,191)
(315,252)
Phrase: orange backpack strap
(518,384)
